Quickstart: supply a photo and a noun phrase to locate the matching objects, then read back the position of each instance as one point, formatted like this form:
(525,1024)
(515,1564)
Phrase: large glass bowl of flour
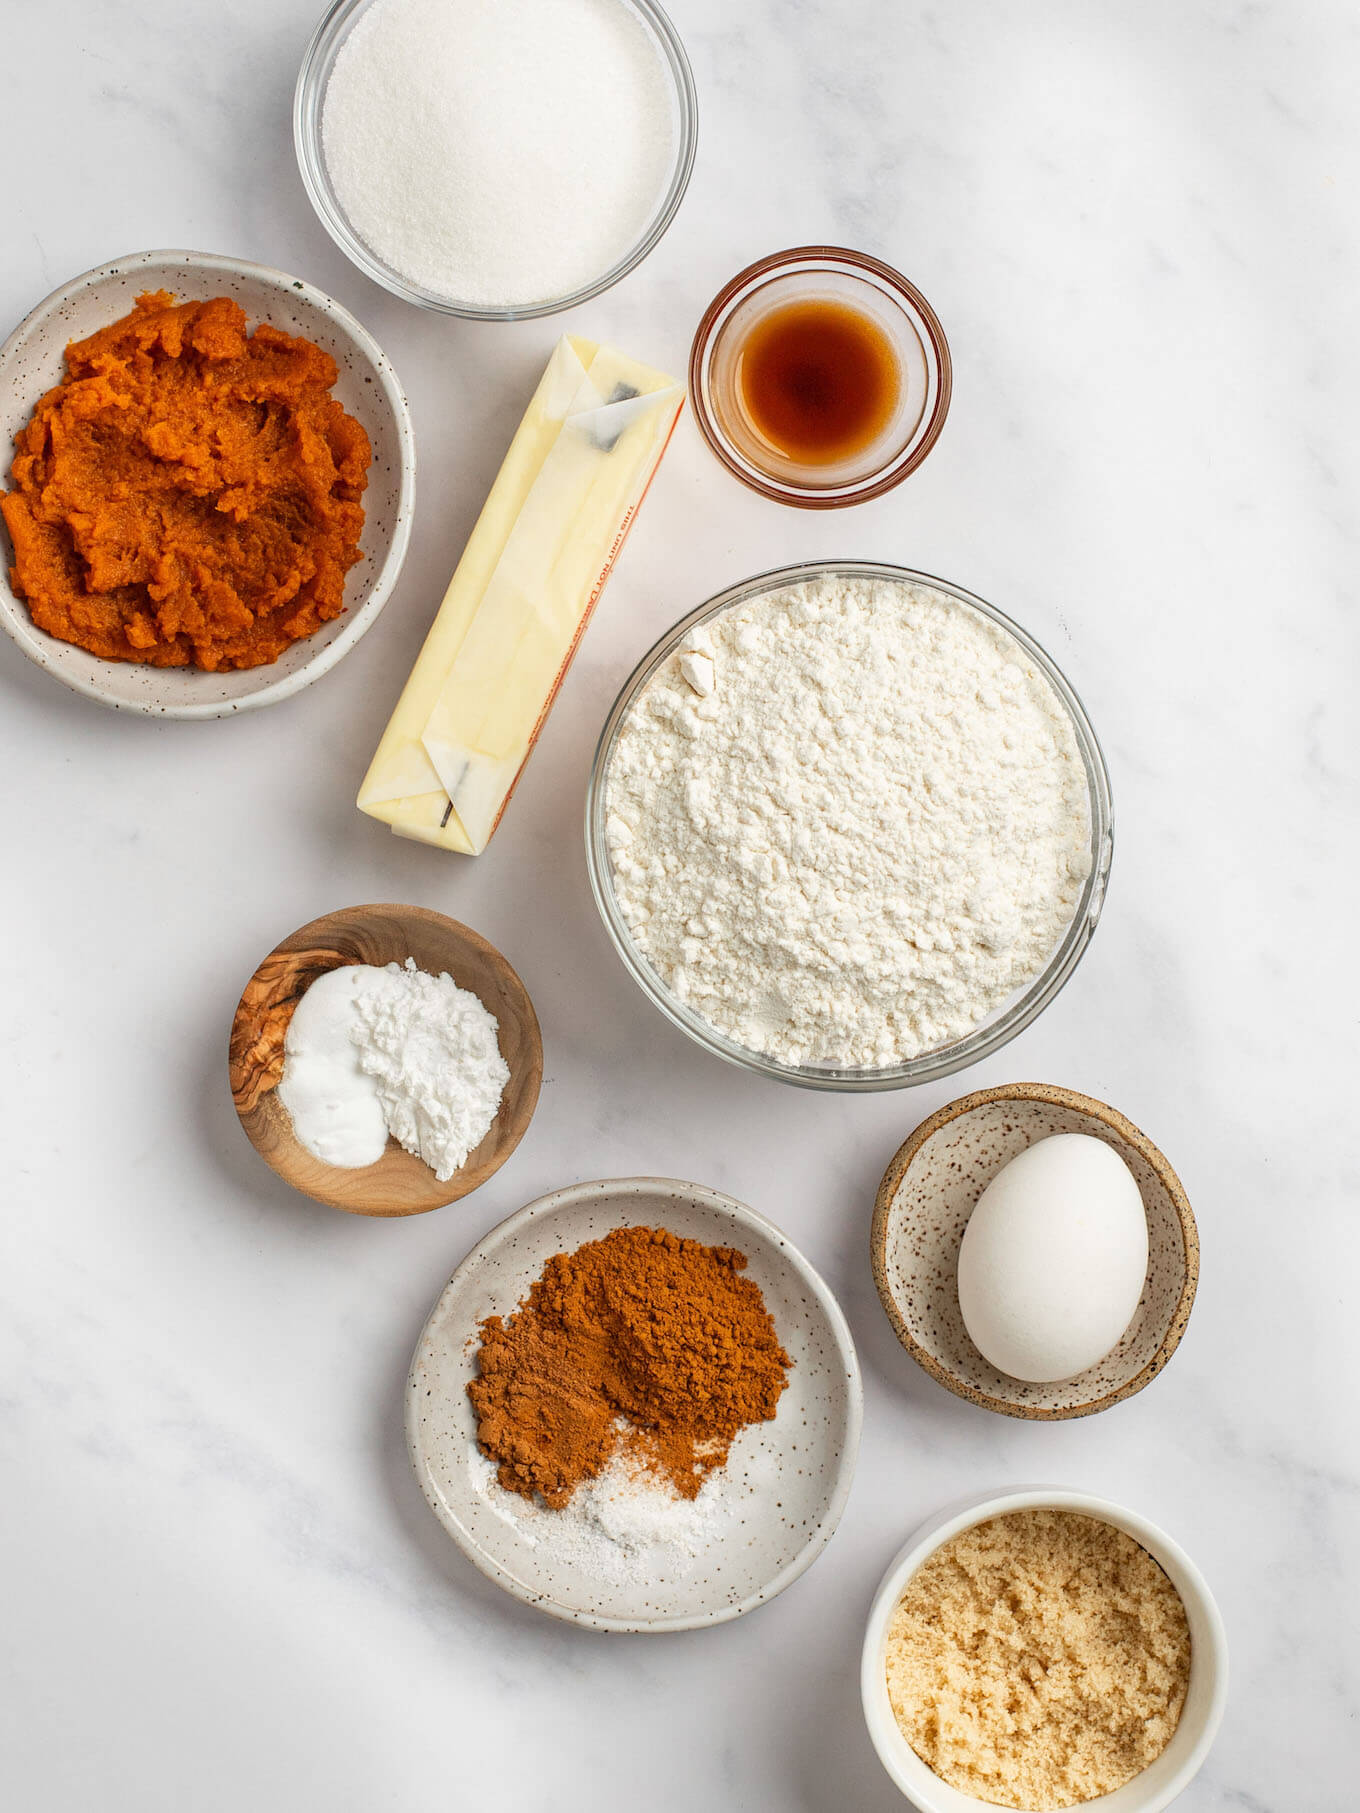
(849,826)
(495,159)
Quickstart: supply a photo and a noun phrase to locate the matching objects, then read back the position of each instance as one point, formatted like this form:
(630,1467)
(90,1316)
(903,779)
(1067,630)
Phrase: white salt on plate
(499,153)
(627,1525)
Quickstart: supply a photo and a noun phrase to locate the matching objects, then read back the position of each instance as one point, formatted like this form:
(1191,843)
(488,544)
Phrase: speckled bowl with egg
(930,1190)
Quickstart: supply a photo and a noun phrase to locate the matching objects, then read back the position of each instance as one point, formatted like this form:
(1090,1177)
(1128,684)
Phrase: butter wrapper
(516,607)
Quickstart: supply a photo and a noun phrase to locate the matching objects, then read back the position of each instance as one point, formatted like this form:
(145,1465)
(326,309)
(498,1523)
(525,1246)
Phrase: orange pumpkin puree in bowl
(188,494)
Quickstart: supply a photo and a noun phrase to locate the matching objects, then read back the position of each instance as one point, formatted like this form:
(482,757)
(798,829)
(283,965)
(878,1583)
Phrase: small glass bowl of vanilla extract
(820,376)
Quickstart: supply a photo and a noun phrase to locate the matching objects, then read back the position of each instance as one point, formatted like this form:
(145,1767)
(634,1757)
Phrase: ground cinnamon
(642,1339)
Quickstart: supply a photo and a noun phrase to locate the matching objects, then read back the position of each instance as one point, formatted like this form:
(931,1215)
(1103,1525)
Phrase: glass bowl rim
(877,483)
(309,94)
(983,1041)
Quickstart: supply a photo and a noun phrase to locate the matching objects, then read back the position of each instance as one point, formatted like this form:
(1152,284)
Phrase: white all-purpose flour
(847,820)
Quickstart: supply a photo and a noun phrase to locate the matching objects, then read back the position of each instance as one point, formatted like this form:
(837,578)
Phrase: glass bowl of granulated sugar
(848,826)
(495,159)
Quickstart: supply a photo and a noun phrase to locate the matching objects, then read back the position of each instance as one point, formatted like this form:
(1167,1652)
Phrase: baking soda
(371,1052)
(499,152)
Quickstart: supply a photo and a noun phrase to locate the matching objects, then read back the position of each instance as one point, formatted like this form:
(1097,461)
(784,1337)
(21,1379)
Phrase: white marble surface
(221,1587)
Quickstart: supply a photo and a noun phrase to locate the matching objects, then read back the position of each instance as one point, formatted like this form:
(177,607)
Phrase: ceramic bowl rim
(743,1216)
(362,614)
(1054,1095)
(965,1513)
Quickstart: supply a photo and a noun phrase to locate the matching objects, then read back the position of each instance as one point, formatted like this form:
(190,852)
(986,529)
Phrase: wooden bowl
(400,1183)
(930,1190)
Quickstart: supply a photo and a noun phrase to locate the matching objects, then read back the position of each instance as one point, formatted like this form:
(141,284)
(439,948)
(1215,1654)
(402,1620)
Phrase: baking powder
(628,1526)
(371,1052)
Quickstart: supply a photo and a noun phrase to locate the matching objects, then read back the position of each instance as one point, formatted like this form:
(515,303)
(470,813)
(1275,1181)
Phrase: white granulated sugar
(499,152)
(846,821)
(627,1526)
(431,1048)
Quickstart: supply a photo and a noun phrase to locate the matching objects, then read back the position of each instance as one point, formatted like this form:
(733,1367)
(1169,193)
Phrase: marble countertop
(222,1588)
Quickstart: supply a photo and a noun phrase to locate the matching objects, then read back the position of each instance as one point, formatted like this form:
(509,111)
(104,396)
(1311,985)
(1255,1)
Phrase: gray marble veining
(222,1588)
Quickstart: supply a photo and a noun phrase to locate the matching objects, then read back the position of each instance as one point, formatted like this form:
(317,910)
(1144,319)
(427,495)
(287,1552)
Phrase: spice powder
(642,1330)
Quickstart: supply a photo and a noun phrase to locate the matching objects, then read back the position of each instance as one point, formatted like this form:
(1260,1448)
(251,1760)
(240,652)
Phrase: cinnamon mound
(643,1331)
(188,494)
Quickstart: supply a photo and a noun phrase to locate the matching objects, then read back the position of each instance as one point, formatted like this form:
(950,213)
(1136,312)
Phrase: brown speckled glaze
(32,361)
(929,1192)
(813,1439)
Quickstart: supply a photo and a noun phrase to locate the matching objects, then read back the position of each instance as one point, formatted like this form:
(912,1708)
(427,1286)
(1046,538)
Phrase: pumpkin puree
(188,495)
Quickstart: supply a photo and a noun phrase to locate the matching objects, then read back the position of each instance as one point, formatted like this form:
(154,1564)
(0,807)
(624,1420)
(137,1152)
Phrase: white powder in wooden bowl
(1038,1660)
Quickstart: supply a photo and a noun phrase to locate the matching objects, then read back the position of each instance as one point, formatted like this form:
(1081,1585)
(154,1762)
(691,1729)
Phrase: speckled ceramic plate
(927,1195)
(32,361)
(790,1477)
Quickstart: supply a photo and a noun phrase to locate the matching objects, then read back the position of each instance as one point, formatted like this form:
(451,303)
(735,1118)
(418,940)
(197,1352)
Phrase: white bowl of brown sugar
(1043,1649)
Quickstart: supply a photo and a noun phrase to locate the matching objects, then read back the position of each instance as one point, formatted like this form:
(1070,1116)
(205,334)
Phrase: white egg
(1053,1259)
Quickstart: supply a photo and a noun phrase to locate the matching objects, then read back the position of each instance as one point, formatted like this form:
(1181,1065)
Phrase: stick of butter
(533,567)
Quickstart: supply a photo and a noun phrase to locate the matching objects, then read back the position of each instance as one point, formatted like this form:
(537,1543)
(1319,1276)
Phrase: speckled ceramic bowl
(789,1478)
(32,361)
(927,1195)
(1163,1780)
